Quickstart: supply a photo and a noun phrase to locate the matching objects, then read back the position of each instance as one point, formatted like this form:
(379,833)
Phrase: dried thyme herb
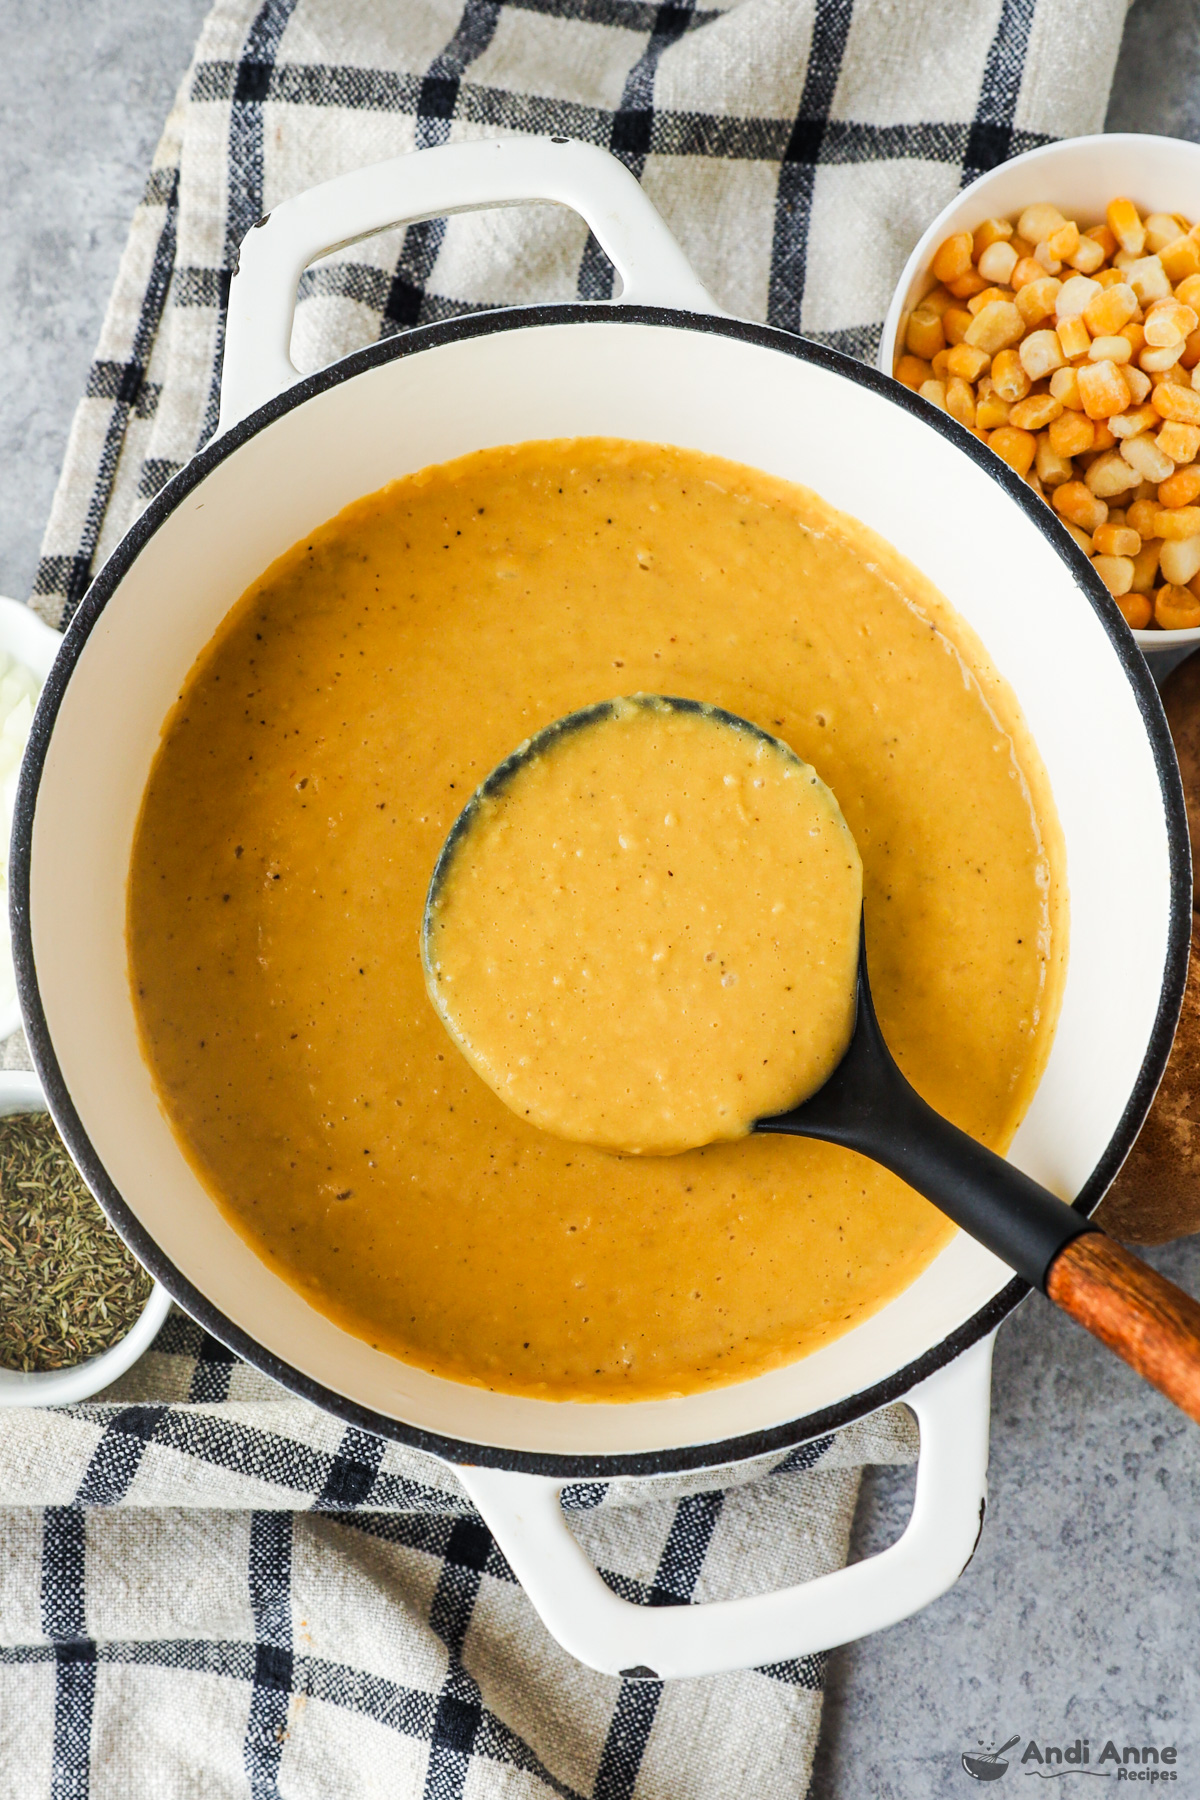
(68,1286)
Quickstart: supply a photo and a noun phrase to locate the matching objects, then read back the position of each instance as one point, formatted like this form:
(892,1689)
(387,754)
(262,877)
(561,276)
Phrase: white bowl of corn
(1053,309)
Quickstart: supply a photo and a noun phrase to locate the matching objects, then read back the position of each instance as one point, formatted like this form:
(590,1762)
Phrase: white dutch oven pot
(662,364)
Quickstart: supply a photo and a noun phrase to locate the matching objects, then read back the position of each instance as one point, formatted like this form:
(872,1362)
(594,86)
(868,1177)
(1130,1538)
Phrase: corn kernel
(1101,349)
(1076,503)
(1157,362)
(938,365)
(1081,537)
(1073,337)
(997,327)
(924,335)
(1179,489)
(1071,434)
(1126,226)
(1100,234)
(1087,257)
(1188,291)
(1148,279)
(1026,271)
(1116,572)
(936,300)
(1102,389)
(1051,467)
(1045,256)
(1137,610)
(1180,560)
(1174,401)
(1180,258)
(1161,228)
(1064,242)
(1145,567)
(1169,322)
(998,261)
(965,361)
(1064,385)
(992,231)
(1144,455)
(935,392)
(990,412)
(956,322)
(1180,442)
(912,371)
(1110,308)
(1039,221)
(1137,382)
(1036,412)
(966,285)
(1133,423)
(1040,354)
(1016,448)
(1176,609)
(1116,540)
(1141,515)
(1035,300)
(1109,475)
(953,257)
(984,297)
(1189,356)
(960,401)
(1074,296)
(1008,374)
(1104,439)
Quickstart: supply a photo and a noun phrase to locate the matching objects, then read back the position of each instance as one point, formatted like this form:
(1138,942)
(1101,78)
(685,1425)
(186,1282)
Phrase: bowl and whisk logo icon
(988,1765)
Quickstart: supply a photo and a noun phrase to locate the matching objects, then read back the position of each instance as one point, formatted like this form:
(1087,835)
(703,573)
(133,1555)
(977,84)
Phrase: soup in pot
(320,750)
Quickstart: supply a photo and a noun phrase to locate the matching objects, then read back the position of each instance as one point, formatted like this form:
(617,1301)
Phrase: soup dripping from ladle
(862,1101)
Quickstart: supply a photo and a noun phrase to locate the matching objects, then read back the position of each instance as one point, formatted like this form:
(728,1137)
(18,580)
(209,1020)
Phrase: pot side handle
(428,184)
(617,1637)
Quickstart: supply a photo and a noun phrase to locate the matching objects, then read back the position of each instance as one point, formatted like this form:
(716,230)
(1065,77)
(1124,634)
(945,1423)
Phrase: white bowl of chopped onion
(1079,176)
(28,646)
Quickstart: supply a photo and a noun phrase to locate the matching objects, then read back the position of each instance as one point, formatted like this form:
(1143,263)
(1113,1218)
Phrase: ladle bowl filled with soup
(356,602)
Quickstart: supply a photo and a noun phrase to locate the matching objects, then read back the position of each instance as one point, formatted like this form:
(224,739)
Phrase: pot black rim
(578,1466)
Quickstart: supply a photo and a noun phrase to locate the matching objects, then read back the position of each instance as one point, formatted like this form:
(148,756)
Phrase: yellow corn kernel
(1038,411)
(935,392)
(1141,515)
(1176,609)
(1137,382)
(1074,295)
(1180,258)
(1145,567)
(1177,522)
(990,412)
(1081,537)
(1080,506)
(940,365)
(1064,385)
(1134,422)
(1134,336)
(1109,309)
(1026,271)
(1148,279)
(1180,442)
(1044,255)
(1109,475)
(1179,489)
(1072,434)
(967,362)
(1143,454)
(1137,610)
(1052,468)
(1157,362)
(936,300)
(1037,222)
(1116,540)
(966,285)
(1103,391)
(1040,354)
(1016,448)
(1088,256)
(1100,234)
(1104,439)
(997,327)
(1064,242)
(1125,223)
(1035,300)
(1161,228)
(1188,292)
(1021,245)
(912,371)
(992,231)
(984,297)
(1116,572)
(1189,356)
(956,322)
(1169,322)
(924,335)
(1174,401)
(1033,480)
(1073,337)
(998,261)
(960,401)
(1180,560)
(1008,375)
(1101,349)
(953,257)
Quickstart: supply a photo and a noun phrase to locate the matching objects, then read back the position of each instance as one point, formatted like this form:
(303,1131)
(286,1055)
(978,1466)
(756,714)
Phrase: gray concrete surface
(1080,1615)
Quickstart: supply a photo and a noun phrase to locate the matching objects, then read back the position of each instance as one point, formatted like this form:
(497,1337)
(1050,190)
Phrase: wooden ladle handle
(1152,1324)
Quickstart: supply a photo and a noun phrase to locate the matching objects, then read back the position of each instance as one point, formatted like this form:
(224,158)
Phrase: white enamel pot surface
(1080,176)
(664,365)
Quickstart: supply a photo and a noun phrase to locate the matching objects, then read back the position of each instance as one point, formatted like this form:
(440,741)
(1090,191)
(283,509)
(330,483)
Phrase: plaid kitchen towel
(208,1588)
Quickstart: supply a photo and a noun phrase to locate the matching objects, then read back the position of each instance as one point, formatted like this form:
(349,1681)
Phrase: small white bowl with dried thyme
(76,1307)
